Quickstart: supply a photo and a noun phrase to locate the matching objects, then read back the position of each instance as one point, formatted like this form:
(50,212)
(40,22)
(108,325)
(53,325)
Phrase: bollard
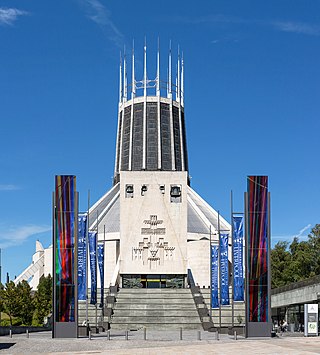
(10,333)
(180,333)
(127,335)
(235,335)
(89,334)
(27,332)
(217,335)
(199,334)
(108,334)
(144,333)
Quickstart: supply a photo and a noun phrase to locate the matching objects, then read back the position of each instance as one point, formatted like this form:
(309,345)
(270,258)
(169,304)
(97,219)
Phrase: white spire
(182,82)
(133,91)
(169,76)
(120,80)
(145,69)
(158,69)
(176,87)
(125,96)
(167,83)
(178,77)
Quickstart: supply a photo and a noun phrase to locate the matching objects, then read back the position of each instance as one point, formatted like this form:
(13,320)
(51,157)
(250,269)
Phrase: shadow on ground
(4,346)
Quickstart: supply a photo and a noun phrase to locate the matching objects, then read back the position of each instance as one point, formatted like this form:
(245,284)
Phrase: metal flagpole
(210,275)
(232,261)
(0,279)
(96,305)
(0,271)
(219,262)
(246,292)
(87,259)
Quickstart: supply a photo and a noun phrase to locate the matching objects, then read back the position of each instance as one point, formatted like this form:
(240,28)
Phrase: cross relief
(153,250)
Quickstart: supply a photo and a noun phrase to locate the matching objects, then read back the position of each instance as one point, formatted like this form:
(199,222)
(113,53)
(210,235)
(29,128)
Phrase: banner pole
(232,261)
(76,236)
(210,251)
(246,242)
(87,259)
(54,242)
(219,263)
(97,268)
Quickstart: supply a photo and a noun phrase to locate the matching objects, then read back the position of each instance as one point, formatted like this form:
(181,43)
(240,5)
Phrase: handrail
(199,300)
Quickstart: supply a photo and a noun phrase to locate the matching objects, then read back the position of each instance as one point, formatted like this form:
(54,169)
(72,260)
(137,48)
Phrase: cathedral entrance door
(153,281)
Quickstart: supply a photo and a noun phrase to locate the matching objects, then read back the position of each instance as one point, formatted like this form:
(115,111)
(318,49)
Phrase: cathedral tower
(154,225)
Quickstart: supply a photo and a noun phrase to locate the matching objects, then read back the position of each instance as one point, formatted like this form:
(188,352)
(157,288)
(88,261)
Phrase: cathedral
(155,227)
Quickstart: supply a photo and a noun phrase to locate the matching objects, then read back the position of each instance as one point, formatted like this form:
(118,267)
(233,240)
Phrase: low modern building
(287,302)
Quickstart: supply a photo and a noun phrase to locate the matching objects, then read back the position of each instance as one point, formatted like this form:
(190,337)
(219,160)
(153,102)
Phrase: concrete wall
(48,261)
(300,295)
(163,251)
(199,261)
(21,330)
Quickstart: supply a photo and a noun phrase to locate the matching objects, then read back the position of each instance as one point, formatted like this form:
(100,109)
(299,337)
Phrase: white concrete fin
(39,246)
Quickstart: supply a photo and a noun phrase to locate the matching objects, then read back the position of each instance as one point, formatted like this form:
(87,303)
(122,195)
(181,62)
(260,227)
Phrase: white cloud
(219,19)
(99,14)
(289,238)
(297,27)
(9,16)
(9,187)
(303,230)
(18,235)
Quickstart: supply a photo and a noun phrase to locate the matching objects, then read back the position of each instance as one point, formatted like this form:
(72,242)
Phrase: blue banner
(101,269)
(224,270)
(93,265)
(238,279)
(82,256)
(214,277)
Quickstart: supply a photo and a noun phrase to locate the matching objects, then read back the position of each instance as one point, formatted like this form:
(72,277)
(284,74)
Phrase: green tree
(302,265)
(314,242)
(9,297)
(25,303)
(280,259)
(43,299)
(297,261)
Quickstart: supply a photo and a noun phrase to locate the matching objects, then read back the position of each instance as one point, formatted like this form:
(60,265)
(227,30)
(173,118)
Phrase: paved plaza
(164,342)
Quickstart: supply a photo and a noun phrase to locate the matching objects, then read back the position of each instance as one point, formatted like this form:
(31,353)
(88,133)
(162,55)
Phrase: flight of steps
(160,309)
(91,309)
(226,311)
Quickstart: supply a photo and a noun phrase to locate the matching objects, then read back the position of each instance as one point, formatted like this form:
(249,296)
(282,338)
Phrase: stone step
(157,326)
(155,301)
(164,306)
(160,319)
(154,290)
(155,296)
(154,313)
(155,309)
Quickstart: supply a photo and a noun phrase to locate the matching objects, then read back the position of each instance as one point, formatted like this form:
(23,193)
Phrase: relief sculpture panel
(153,249)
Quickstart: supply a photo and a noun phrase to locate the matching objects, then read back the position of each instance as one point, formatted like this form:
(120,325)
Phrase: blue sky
(252,103)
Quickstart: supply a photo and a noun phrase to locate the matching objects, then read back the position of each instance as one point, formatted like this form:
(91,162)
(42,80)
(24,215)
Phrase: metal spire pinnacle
(182,81)
(145,69)
(125,96)
(158,69)
(120,79)
(133,91)
(178,77)
(170,78)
